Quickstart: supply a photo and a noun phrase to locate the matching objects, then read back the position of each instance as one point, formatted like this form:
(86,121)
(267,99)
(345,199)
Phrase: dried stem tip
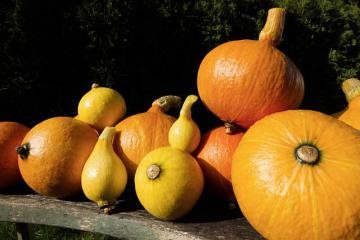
(274,26)
(153,171)
(307,154)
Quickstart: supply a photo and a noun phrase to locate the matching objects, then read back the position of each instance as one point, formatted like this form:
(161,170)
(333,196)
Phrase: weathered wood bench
(127,222)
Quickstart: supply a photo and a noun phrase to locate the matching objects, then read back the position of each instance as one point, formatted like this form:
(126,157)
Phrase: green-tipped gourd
(104,175)
(184,134)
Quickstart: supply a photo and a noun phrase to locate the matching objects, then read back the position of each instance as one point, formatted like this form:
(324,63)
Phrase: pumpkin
(214,156)
(295,175)
(11,135)
(351,114)
(141,133)
(53,154)
(245,80)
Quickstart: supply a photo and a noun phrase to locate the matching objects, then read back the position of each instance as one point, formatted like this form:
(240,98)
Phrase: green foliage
(51,51)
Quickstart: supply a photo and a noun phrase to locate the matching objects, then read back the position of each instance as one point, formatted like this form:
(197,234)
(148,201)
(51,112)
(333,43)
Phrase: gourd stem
(186,108)
(107,207)
(307,154)
(95,85)
(167,102)
(23,151)
(351,88)
(230,128)
(108,134)
(153,171)
(274,26)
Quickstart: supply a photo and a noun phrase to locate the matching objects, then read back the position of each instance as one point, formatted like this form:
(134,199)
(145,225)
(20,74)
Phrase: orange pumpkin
(351,114)
(243,81)
(53,153)
(214,156)
(295,175)
(11,135)
(143,132)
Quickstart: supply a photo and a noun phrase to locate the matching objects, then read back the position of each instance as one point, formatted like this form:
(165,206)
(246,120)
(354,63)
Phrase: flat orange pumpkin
(53,153)
(295,175)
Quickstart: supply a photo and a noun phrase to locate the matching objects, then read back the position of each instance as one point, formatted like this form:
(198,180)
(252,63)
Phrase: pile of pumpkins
(294,173)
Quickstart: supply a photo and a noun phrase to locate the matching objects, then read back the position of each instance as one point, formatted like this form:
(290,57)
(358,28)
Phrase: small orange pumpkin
(11,135)
(53,154)
(214,156)
(243,81)
(141,133)
(295,175)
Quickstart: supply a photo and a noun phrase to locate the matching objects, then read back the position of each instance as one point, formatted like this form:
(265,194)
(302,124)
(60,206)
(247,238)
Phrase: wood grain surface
(128,221)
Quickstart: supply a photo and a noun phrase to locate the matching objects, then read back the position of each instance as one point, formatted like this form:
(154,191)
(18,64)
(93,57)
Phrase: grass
(40,232)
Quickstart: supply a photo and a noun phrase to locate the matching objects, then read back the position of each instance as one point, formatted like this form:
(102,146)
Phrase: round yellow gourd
(101,107)
(168,183)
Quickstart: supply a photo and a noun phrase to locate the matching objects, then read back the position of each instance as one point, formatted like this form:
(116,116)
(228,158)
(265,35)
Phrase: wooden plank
(127,222)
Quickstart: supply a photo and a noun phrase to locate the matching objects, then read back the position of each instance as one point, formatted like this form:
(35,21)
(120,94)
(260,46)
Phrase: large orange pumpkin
(11,135)
(214,156)
(243,81)
(53,153)
(295,175)
(143,132)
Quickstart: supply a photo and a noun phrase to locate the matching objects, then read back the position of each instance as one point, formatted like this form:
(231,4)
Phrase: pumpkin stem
(153,171)
(351,88)
(23,151)
(95,85)
(274,26)
(307,154)
(167,102)
(230,127)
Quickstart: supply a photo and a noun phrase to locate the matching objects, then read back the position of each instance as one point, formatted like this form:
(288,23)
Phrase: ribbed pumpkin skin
(285,199)
(59,148)
(11,135)
(214,156)
(139,134)
(243,81)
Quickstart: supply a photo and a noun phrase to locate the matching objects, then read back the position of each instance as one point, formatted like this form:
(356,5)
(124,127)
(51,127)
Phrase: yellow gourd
(101,107)
(104,175)
(168,180)
(351,114)
(184,134)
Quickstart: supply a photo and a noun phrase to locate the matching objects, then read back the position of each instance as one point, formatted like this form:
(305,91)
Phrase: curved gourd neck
(107,135)
(274,26)
(185,111)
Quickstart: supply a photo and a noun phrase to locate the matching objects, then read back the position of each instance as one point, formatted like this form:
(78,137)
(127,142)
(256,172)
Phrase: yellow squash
(295,175)
(101,107)
(184,134)
(104,175)
(351,114)
(168,180)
